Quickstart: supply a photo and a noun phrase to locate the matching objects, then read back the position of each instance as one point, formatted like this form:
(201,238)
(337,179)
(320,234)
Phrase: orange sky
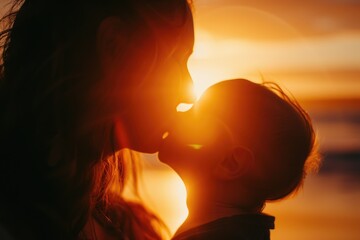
(310,47)
(309,17)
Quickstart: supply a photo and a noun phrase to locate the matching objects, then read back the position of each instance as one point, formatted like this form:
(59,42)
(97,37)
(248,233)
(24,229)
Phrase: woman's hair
(58,165)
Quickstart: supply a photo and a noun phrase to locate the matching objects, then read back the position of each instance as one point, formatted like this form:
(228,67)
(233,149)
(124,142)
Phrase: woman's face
(160,80)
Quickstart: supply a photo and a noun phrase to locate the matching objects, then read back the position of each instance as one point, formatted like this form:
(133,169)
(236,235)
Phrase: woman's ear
(235,164)
(111,39)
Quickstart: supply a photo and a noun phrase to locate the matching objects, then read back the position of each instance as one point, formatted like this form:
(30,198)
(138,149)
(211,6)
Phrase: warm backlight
(273,42)
(165,193)
(183,107)
(201,83)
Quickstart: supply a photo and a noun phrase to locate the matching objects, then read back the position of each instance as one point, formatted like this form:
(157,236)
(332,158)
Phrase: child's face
(195,144)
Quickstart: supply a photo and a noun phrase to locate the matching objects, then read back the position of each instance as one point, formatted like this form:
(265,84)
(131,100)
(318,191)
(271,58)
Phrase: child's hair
(59,173)
(300,155)
(274,127)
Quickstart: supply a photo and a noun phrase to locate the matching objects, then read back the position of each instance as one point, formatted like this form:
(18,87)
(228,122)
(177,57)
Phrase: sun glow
(165,194)
(270,49)
(184,107)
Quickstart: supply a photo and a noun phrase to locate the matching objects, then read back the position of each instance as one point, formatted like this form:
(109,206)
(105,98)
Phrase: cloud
(310,67)
(339,52)
(267,20)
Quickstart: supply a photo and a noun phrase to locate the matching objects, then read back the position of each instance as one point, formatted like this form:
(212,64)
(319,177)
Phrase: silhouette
(81,83)
(241,145)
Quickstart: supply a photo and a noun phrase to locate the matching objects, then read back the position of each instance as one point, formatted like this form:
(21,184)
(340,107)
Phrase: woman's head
(155,65)
(97,61)
(82,79)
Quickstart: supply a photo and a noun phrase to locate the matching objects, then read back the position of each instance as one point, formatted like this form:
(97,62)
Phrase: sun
(201,82)
(198,90)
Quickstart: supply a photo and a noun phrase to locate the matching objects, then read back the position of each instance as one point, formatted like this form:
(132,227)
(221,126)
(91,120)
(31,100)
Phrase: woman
(81,80)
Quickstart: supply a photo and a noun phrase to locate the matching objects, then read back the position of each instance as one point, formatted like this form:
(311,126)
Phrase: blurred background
(312,49)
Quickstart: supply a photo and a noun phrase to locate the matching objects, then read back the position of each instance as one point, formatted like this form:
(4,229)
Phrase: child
(242,144)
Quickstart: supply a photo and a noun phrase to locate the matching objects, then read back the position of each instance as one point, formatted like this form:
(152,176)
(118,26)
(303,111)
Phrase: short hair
(273,126)
(300,157)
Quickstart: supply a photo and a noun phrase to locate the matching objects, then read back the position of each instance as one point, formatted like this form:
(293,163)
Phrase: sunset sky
(310,47)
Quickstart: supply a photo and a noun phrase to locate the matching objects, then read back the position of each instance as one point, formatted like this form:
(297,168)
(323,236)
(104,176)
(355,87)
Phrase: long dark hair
(58,167)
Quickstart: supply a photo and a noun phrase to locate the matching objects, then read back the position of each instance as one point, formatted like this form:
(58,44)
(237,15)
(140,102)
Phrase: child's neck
(204,209)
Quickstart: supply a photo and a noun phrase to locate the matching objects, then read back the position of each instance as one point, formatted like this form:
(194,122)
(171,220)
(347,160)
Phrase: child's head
(244,140)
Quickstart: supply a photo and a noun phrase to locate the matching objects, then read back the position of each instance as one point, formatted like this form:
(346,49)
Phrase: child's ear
(235,164)
(111,39)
